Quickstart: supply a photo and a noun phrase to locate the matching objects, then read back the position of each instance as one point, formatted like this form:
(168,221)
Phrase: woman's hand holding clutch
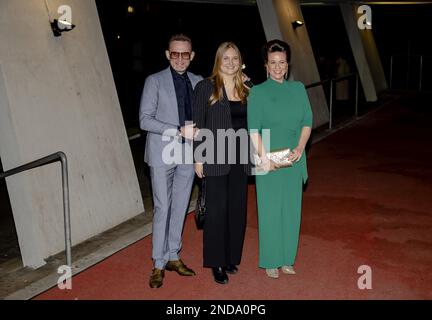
(268,165)
(296,154)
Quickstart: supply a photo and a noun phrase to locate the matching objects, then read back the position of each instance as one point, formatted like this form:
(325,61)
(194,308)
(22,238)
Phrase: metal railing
(58,156)
(331,99)
(410,69)
(135,136)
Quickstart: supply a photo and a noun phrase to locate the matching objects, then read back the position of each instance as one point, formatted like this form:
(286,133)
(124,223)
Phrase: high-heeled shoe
(231,269)
(220,275)
(272,273)
(288,269)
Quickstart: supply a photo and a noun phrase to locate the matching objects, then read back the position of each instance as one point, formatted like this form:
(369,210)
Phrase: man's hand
(189,131)
(199,169)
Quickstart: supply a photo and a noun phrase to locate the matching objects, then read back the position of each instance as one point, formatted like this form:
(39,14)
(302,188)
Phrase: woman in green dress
(283,108)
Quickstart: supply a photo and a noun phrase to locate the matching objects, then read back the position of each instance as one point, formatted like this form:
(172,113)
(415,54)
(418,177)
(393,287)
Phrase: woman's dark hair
(276,45)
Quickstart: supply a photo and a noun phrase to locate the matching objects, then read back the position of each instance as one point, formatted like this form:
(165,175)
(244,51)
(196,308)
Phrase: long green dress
(283,108)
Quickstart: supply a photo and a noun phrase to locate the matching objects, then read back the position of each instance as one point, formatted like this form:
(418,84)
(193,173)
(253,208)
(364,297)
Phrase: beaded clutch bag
(279,157)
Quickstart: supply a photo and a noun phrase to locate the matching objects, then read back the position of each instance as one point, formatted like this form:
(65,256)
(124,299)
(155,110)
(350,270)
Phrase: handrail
(408,56)
(333,80)
(58,156)
(316,84)
(349,75)
(411,55)
(135,136)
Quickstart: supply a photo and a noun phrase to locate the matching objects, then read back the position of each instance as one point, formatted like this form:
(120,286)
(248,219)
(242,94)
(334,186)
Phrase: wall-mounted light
(297,23)
(63,23)
(59,26)
(131,9)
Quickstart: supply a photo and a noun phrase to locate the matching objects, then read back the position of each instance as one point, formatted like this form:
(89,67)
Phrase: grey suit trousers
(171,193)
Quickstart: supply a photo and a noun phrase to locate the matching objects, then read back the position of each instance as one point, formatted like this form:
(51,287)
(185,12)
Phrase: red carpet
(368,202)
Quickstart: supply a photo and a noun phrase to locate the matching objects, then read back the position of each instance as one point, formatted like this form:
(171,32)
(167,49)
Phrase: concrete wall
(277,17)
(59,94)
(374,60)
(365,53)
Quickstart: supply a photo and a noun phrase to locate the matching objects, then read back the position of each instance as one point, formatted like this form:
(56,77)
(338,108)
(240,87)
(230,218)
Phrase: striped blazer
(217,116)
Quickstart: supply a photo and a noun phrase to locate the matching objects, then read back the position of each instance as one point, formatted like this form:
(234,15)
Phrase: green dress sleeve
(307,110)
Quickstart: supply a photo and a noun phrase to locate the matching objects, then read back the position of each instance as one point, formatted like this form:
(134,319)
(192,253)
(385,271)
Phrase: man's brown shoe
(156,279)
(179,267)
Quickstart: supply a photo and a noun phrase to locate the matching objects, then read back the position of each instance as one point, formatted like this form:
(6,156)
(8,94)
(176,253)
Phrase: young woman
(219,104)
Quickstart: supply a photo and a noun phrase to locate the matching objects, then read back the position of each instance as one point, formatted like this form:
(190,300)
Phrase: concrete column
(277,17)
(58,94)
(365,53)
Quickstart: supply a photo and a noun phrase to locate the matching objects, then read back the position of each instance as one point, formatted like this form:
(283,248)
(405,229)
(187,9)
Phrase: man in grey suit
(165,112)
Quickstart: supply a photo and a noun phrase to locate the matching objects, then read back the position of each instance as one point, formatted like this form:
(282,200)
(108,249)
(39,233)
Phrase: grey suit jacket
(159,112)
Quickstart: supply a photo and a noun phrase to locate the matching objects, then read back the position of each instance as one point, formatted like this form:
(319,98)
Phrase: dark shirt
(239,121)
(238,115)
(184,90)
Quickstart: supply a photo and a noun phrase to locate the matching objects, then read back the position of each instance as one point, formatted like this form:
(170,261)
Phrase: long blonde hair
(217,79)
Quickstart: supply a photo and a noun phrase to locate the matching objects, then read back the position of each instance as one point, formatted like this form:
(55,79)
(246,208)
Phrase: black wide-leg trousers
(225,225)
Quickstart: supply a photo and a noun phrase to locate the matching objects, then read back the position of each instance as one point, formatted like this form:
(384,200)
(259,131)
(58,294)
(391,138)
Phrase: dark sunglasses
(176,55)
